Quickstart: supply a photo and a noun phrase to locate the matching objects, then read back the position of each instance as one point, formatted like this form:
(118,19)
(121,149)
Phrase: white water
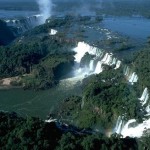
(53,32)
(102,58)
(105,58)
(119,124)
(127,71)
(135,131)
(118,64)
(91,65)
(51,120)
(138,130)
(109,60)
(83,48)
(99,67)
(121,128)
(24,24)
(113,61)
(133,78)
(148,110)
(145,96)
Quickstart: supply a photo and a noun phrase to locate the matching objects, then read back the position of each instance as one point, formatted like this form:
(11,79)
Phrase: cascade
(133,78)
(126,71)
(118,64)
(82,104)
(135,131)
(113,61)
(145,96)
(109,59)
(125,130)
(51,120)
(81,49)
(119,125)
(146,99)
(99,67)
(24,24)
(99,53)
(148,109)
(105,57)
(53,32)
(91,65)
(121,128)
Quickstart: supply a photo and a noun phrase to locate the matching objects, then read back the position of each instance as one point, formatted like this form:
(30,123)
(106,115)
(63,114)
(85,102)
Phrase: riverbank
(10,83)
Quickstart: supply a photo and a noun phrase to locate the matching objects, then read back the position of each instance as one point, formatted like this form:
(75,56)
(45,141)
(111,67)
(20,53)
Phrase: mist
(45,7)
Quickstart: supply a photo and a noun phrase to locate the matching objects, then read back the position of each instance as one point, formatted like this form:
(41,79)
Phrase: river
(36,103)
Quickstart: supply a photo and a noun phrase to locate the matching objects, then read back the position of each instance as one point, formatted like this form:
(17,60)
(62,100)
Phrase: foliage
(29,133)
(105,97)
(42,57)
(51,23)
(33,133)
(142,67)
(49,71)
(110,98)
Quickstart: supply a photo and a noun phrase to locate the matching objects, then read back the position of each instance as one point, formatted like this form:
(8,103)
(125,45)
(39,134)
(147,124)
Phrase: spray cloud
(45,7)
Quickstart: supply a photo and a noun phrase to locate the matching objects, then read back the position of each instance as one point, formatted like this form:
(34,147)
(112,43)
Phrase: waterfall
(145,96)
(51,120)
(91,65)
(138,130)
(126,130)
(53,32)
(127,71)
(99,53)
(108,60)
(82,104)
(146,99)
(129,130)
(24,24)
(148,110)
(105,57)
(102,58)
(119,125)
(99,67)
(133,78)
(114,60)
(118,64)
(81,49)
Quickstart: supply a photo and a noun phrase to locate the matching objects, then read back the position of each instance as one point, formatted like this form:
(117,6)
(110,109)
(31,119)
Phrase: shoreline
(6,83)
(4,87)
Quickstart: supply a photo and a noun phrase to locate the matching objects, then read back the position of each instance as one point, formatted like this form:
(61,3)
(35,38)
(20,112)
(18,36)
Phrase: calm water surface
(34,103)
(137,28)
